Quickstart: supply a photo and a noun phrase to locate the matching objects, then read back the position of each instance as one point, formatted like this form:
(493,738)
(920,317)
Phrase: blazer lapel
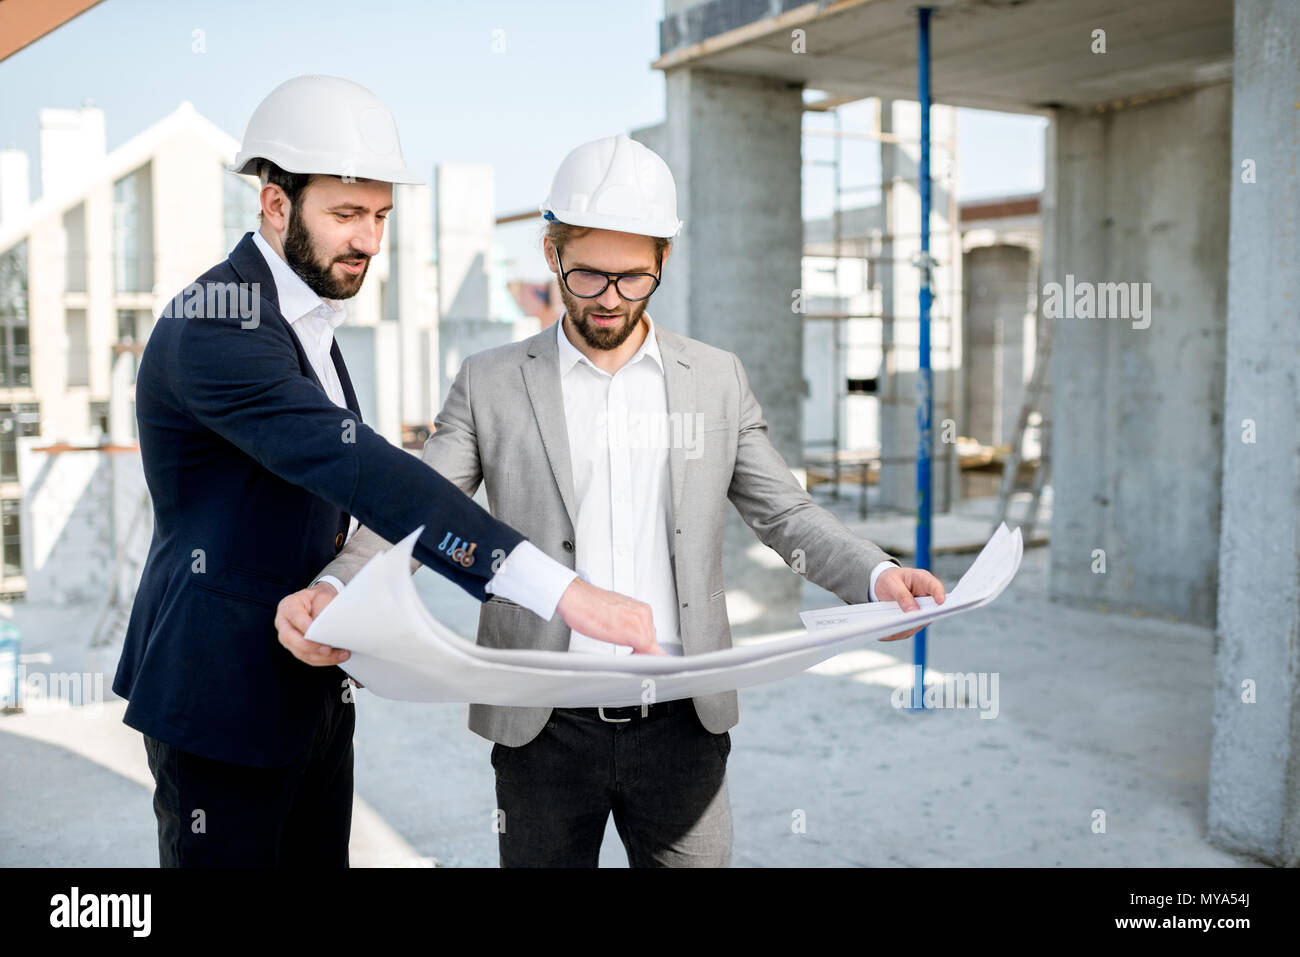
(679,380)
(349,395)
(247,261)
(542,380)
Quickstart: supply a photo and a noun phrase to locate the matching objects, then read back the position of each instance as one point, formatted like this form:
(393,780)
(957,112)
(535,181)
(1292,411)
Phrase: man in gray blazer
(614,446)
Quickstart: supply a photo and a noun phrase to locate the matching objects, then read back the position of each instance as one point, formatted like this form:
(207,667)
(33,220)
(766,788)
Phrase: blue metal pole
(924,379)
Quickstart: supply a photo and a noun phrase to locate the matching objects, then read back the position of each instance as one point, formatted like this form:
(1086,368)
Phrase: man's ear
(548,250)
(275,207)
(664,260)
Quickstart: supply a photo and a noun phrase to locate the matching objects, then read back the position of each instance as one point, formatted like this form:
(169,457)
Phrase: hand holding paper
(904,586)
(293,617)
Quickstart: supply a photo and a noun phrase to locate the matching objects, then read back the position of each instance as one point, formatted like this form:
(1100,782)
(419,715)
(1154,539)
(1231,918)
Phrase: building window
(11,533)
(78,348)
(99,417)
(15,353)
(133,231)
(126,326)
(239,207)
(133,328)
(19,419)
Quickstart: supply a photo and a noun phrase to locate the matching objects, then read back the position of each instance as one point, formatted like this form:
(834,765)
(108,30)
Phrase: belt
(632,712)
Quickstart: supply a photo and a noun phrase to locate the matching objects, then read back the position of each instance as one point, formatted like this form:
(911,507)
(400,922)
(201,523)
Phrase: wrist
(571,593)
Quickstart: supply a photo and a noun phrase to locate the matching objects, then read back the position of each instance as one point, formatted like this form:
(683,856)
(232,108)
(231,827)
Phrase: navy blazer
(254,474)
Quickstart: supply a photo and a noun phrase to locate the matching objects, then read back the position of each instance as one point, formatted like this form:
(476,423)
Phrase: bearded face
(329,274)
(606,280)
(602,327)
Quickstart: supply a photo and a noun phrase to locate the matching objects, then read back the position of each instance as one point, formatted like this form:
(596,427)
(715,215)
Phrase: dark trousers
(214,814)
(663,777)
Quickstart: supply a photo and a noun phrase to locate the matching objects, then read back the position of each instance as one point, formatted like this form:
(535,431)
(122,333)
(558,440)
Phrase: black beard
(599,337)
(300,254)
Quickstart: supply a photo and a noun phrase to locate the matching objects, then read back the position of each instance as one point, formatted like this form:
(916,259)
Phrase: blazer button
(338,541)
(568,546)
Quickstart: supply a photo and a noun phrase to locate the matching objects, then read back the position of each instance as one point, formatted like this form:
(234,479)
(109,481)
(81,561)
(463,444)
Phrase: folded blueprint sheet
(399,650)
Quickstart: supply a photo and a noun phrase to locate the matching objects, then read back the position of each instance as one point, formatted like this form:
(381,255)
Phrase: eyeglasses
(589,284)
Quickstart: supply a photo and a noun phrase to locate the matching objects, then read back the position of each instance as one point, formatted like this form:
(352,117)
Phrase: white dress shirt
(621,482)
(528,576)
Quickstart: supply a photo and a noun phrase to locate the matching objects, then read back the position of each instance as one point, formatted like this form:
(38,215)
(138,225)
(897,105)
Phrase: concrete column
(1255,762)
(996,340)
(464,222)
(412,286)
(1141,198)
(734,146)
(735,153)
(373,355)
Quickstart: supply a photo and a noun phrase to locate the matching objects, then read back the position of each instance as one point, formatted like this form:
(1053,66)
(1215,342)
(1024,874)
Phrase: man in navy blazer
(256,460)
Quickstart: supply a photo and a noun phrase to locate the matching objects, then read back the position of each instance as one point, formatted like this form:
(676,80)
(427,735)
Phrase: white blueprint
(399,650)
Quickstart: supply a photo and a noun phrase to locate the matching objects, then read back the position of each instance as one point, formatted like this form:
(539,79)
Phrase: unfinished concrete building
(1169,269)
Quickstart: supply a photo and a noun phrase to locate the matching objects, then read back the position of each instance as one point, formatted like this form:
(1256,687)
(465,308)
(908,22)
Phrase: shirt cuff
(876,573)
(531,578)
(331,580)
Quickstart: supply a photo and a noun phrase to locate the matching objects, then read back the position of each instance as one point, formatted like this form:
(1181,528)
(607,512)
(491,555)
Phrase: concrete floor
(1096,712)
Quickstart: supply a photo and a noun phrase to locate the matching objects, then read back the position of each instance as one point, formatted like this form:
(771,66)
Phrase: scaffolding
(874,252)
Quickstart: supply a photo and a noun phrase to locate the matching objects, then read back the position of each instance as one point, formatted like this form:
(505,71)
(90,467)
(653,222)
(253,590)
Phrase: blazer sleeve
(784,516)
(452,451)
(246,386)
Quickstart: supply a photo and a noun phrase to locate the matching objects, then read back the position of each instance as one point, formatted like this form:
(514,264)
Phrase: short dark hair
(561,233)
(292,183)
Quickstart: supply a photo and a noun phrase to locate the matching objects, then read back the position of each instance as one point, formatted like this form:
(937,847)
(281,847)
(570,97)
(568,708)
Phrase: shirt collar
(296,297)
(570,355)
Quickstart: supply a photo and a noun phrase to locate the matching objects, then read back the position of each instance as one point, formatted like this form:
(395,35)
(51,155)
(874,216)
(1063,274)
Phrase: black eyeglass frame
(613,277)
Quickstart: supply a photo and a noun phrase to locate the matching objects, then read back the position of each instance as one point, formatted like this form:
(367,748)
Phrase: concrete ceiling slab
(1014,55)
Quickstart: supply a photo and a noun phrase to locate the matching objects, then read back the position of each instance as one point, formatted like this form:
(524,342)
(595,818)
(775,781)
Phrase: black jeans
(662,777)
(214,814)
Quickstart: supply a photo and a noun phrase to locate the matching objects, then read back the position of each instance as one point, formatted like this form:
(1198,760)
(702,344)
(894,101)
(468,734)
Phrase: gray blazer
(503,425)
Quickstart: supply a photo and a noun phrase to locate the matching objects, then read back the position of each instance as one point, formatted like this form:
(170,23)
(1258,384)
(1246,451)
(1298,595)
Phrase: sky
(562,73)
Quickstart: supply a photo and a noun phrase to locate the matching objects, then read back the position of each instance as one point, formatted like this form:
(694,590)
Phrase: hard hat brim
(245,164)
(612,223)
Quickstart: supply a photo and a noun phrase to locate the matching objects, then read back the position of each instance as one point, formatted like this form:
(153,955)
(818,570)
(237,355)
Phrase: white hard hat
(324,124)
(615,183)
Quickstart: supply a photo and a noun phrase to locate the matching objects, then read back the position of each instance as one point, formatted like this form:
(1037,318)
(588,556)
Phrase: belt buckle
(645,711)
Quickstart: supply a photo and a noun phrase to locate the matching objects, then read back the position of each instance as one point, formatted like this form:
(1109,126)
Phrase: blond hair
(560,234)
